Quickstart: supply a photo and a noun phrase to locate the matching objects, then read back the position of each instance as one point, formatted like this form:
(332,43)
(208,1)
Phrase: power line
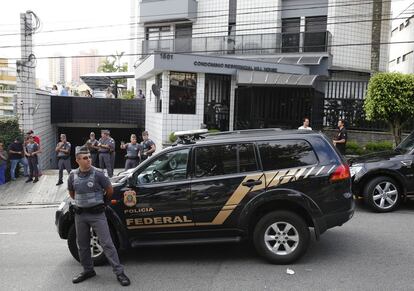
(201,33)
(221,50)
(345,3)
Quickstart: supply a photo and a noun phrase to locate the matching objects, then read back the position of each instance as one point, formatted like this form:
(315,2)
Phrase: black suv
(269,186)
(383,179)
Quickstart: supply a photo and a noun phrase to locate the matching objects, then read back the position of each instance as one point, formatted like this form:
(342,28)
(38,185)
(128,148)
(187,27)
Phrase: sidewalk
(43,192)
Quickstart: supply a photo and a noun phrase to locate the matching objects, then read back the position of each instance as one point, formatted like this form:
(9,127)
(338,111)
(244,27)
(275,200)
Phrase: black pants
(33,166)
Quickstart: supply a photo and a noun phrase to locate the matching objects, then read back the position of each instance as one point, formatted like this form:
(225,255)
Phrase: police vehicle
(384,179)
(268,186)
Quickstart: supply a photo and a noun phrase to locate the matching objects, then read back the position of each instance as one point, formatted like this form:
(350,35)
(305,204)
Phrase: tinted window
(168,167)
(284,154)
(222,160)
(183,88)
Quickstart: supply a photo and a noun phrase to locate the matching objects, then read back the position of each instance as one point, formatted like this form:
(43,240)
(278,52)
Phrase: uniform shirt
(101,181)
(133,150)
(31,147)
(92,143)
(16,147)
(146,146)
(4,154)
(66,146)
(107,141)
(342,134)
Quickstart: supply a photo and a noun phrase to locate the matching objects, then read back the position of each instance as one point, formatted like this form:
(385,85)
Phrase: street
(371,252)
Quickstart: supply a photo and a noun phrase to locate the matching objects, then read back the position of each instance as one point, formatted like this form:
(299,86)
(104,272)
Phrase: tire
(98,255)
(382,194)
(298,237)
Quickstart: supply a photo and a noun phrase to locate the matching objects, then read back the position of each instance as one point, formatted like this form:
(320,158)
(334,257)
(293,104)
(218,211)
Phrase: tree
(390,98)
(113,64)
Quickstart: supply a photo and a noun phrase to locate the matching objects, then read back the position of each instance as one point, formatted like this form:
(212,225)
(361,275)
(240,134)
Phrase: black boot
(29,180)
(83,276)
(60,182)
(123,279)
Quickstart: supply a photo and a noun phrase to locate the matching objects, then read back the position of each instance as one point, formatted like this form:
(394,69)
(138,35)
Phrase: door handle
(251,183)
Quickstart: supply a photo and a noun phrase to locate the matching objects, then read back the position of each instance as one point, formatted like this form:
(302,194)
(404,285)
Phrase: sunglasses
(86,158)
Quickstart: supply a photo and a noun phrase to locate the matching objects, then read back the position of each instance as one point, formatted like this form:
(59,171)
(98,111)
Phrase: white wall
(399,50)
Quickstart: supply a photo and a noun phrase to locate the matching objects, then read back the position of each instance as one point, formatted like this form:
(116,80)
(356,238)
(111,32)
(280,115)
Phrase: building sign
(234,66)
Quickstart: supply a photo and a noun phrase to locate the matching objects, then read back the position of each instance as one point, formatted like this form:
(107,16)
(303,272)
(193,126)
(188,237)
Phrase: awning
(104,80)
(275,79)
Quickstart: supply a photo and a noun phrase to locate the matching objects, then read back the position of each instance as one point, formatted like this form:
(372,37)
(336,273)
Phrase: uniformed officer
(106,145)
(148,146)
(112,151)
(92,145)
(341,137)
(88,186)
(133,148)
(63,157)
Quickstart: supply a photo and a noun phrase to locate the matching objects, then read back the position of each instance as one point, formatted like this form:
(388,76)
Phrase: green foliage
(128,94)
(355,148)
(379,146)
(390,98)
(9,130)
(113,64)
(172,138)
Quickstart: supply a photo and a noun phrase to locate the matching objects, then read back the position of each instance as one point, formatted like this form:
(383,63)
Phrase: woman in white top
(305,124)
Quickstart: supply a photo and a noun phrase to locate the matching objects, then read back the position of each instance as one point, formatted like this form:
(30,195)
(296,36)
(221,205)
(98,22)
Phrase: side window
(224,159)
(283,154)
(168,167)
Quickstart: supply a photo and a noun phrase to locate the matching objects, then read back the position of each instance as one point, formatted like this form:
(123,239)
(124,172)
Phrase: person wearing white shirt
(305,125)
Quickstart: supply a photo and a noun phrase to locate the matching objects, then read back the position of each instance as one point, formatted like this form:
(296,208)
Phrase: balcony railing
(97,110)
(271,43)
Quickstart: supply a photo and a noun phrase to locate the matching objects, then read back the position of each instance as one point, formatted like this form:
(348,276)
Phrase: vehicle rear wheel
(382,194)
(97,252)
(281,237)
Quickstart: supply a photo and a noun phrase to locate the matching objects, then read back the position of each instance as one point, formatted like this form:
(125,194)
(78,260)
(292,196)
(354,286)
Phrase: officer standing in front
(148,146)
(132,148)
(63,157)
(88,186)
(341,137)
(106,145)
(92,145)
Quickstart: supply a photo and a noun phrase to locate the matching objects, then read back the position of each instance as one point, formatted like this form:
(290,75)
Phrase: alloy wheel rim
(385,195)
(281,238)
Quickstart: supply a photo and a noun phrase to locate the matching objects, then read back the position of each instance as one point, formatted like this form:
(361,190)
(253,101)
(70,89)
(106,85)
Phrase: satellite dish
(156,90)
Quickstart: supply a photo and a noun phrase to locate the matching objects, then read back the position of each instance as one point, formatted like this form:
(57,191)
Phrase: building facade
(402,54)
(85,65)
(57,70)
(238,64)
(7,88)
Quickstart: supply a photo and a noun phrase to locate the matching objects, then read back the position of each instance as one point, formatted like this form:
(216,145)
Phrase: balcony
(254,44)
(167,10)
(97,110)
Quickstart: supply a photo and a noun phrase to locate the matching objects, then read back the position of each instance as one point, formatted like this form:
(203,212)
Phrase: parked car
(386,178)
(267,186)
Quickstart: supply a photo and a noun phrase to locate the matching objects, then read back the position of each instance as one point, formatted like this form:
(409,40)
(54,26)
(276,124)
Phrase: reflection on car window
(283,154)
(168,167)
(223,160)
(407,144)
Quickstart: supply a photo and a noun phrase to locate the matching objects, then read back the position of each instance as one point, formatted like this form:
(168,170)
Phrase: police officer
(92,145)
(88,186)
(112,151)
(63,157)
(148,146)
(341,137)
(106,145)
(133,148)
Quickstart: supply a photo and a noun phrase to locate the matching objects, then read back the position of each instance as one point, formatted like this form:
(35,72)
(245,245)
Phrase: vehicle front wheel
(382,194)
(281,237)
(97,252)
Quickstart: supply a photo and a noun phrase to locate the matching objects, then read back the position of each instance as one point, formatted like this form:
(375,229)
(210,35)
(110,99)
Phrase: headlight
(61,205)
(355,169)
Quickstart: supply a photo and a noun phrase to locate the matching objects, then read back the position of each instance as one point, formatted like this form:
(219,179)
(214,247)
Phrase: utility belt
(107,152)
(132,158)
(63,158)
(91,210)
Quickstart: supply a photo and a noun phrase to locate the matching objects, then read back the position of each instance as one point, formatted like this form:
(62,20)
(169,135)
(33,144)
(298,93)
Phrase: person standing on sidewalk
(31,151)
(88,186)
(133,148)
(63,156)
(3,164)
(148,146)
(92,144)
(341,137)
(106,145)
(16,156)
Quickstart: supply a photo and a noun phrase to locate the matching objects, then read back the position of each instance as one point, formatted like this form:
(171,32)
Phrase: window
(224,159)
(168,167)
(158,100)
(405,57)
(401,26)
(183,91)
(398,60)
(284,154)
(315,35)
(290,34)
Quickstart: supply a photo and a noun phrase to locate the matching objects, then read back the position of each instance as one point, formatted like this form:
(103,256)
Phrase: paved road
(371,252)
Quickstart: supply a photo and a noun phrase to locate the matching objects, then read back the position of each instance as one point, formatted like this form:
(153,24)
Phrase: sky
(58,14)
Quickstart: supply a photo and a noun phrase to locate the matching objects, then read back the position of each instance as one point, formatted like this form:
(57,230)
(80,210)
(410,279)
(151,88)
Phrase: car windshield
(407,144)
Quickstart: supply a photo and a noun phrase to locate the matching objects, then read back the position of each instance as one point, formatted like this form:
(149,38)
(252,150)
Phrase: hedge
(9,130)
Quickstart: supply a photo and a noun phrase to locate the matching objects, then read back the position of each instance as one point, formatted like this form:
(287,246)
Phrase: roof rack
(189,136)
(244,131)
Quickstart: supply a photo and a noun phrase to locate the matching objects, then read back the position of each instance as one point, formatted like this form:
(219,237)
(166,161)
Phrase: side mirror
(131,182)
